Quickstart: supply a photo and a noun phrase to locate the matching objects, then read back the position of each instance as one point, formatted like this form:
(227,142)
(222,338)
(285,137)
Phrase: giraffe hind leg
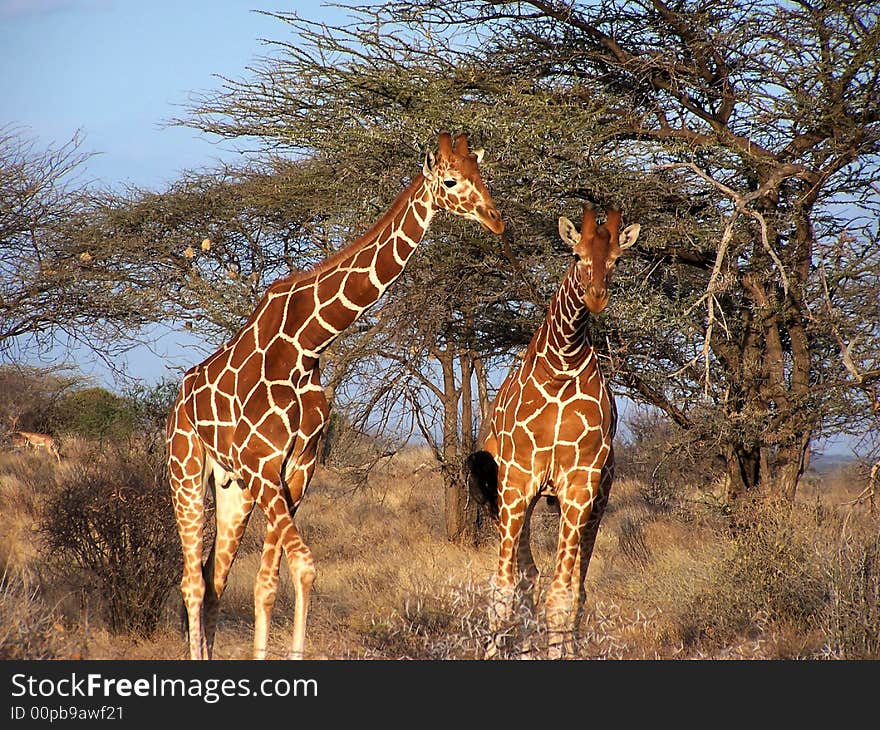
(505,582)
(528,584)
(282,535)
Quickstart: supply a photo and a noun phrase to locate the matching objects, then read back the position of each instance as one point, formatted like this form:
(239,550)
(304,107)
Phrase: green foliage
(95,413)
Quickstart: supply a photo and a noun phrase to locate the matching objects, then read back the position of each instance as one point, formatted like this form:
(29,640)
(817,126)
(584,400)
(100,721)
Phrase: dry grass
(668,579)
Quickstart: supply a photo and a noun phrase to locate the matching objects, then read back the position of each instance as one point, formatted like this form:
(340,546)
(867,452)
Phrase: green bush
(95,413)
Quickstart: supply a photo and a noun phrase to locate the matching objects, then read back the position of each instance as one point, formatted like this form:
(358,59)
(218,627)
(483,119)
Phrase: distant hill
(823,464)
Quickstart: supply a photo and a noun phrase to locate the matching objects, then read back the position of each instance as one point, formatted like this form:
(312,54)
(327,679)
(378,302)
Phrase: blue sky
(116,71)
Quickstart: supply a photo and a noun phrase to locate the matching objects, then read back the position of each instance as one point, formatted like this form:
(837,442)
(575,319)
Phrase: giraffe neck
(341,288)
(563,340)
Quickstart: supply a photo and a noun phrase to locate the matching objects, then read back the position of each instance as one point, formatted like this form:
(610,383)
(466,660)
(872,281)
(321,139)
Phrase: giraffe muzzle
(490,218)
(596,299)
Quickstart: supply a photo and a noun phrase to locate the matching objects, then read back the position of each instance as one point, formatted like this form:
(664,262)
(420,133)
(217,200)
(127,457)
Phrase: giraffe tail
(482,478)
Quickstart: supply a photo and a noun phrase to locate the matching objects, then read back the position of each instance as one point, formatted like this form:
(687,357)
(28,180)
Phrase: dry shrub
(769,581)
(667,462)
(29,629)
(434,624)
(111,525)
(852,616)
(453,624)
(26,480)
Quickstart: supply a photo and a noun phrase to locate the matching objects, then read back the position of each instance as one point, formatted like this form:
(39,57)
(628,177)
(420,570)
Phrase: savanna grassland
(92,562)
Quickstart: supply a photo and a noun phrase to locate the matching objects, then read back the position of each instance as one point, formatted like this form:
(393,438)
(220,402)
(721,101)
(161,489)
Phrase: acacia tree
(756,128)
(729,130)
(40,191)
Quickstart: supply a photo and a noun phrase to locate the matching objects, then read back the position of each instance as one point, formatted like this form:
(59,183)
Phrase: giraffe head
(596,249)
(453,177)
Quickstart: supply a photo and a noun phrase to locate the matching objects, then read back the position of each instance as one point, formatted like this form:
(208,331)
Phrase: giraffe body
(550,433)
(248,419)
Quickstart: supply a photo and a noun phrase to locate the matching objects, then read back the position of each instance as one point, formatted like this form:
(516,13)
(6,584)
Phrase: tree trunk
(460,512)
(743,471)
(466,365)
(482,387)
(792,460)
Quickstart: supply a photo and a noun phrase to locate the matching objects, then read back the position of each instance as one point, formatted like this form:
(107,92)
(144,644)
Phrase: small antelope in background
(24,439)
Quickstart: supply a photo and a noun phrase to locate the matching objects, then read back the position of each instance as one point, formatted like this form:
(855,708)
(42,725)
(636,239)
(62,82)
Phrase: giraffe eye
(450,183)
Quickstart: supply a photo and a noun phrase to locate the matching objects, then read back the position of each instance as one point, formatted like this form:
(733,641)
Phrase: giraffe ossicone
(253,412)
(549,433)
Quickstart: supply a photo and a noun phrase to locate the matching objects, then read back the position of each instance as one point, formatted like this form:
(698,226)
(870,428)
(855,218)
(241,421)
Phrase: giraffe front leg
(187,496)
(588,542)
(527,589)
(233,507)
(576,501)
(502,602)
(265,591)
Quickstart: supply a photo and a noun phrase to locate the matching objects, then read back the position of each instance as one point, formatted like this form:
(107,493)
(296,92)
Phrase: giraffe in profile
(249,418)
(550,434)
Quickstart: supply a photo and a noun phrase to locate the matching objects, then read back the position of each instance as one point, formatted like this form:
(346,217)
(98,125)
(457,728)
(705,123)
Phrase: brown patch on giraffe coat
(268,323)
(226,382)
(410,225)
(223,438)
(402,248)
(222,405)
(387,265)
(274,428)
(257,402)
(329,283)
(364,259)
(360,290)
(214,367)
(575,418)
(279,360)
(255,449)
(242,349)
(336,315)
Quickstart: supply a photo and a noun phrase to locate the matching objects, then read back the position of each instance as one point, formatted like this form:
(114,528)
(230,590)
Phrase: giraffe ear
(428,165)
(479,154)
(629,235)
(568,232)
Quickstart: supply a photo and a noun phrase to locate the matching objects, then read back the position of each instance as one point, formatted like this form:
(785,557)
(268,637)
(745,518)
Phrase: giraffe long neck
(343,287)
(563,340)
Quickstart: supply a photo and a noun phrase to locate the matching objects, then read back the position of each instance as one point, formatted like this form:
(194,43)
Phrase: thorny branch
(741,205)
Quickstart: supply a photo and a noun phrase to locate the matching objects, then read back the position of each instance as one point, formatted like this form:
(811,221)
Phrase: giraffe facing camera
(248,420)
(549,434)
